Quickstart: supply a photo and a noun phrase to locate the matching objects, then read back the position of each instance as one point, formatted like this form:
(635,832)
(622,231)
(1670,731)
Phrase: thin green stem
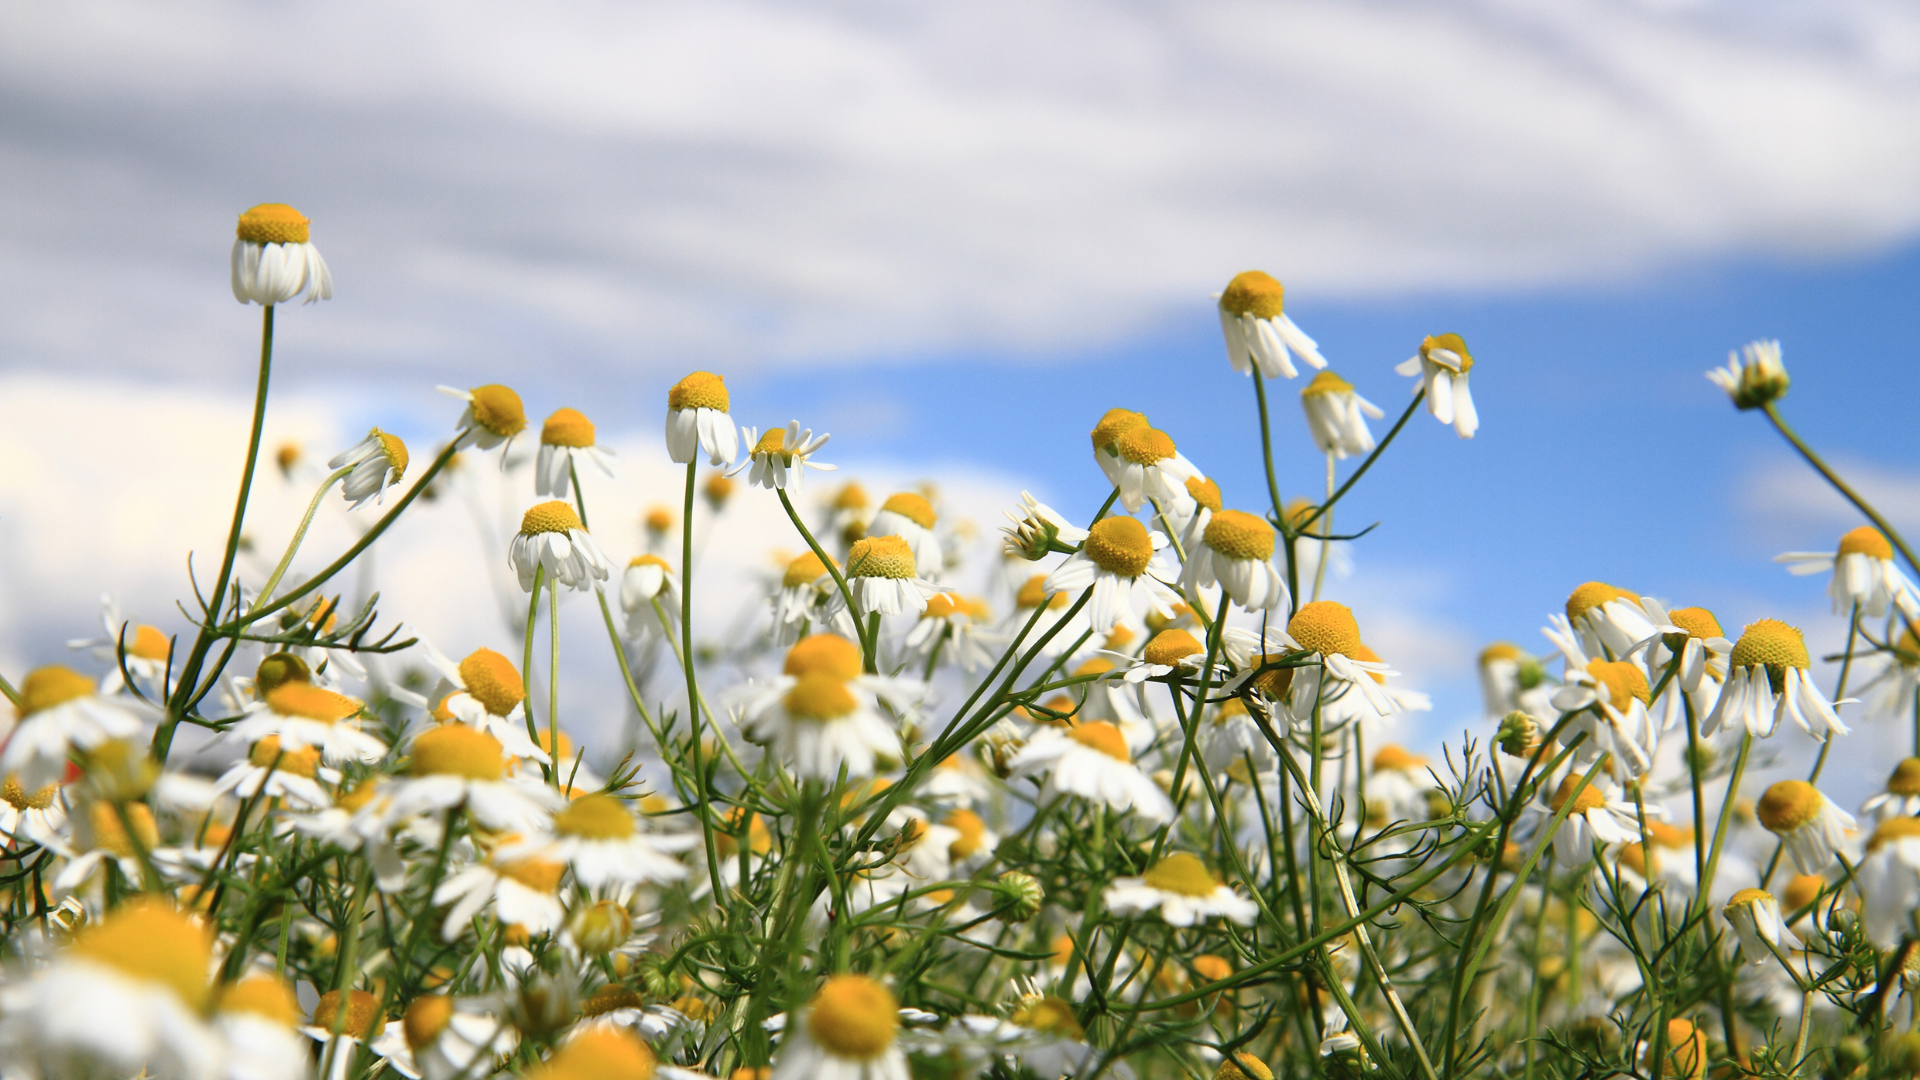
(1833,478)
(299,535)
(693,686)
(526,669)
(553,680)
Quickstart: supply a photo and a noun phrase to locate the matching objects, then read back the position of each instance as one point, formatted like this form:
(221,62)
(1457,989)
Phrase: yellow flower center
(773,442)
(912,507)
(820,698)
(851,497)
(824,654)
(1891,830)
(941,606)
(1748,896)
(700,390)
(150,941)
(394,451)
(1590,799)
(1145,446)
(1624,681)
(1169,647)
(650,560)
(278,670)
(1698,622)
(604,1054)
(1120,546)
(594,817)
(609,998)
(498,409)
(1239,535)
(567,427)
(1104,737)
(1275,683)
(110,833)
(1325,627)
(1906,777)
(1049,1015)
(1452,343)
(1034,593)
(273,223)
(1115,423)
(310,702)
(426,1018)
(46,687)
(262,995)
(540,875)
(1324,383)
(17,797)
(1803,889)
(1592,595)
(804,570)
(718,489)
(1866,540)
(1788,805)
(1397,758)
(1182,873)
(1205,492)
(1095,666)
(492,681)
(458,750)
(360,1019)
(1255,293)
(148,643)
(881,557)
(549,517)
(1772,643)
(359,795)
(1242,1065)
(268,753)
(853,1017)
(659,519)
(1500,650)
(972,829)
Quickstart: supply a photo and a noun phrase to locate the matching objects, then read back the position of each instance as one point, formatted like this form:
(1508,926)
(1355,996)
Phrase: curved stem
(299,535)
(526,667)
(693,686)
(553,681)
(1833,478)
(1327,507)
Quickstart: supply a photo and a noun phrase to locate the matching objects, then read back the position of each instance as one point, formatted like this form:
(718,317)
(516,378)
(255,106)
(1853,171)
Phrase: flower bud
(601,928)
(1519,734)
(1022,895)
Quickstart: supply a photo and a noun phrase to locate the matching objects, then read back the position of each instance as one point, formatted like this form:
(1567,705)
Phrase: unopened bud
(1519,734)
(601,928)
(1021,896)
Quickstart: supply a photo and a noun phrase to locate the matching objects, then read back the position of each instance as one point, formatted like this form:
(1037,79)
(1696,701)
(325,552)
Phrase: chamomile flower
(99,835)
(600,839)
(1236,551)
(780,458)
(955,626)
(1442,365)
(821,726)
(453,765)
(1770,678)
(146,649)
(851,509)
(1893,692)
(523,889)
(1184,892)
(485,691)
(882,574)
(551,537)
(646,579)
(1147,466)
(849,1031)
(60,713)
(1504,667)
(805,584)
(1702,647)
(340,1023)
(1337,416)
(1189,521)
(1809,823)
(494,415)
(1755,917)
(697,421)
(1119,559)
(1329,630)
(1398,785)
(37,816)
(1106,436)
(447,1037)
(565,438)
(1888,877)
(273,259)
(1092,761)
(375,464)
(911,518)
(1609,621)
(601,1054)
(1596,818)
(1900,797)
(1864,575)
(1037,529)
(1168,652)
(292,776)
(301,714)
(1257,329)
(1611,697)
(1754,376)
(256,1021)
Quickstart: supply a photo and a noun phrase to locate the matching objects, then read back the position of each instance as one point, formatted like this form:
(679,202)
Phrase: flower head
(697,420)
(552,538)
(565,438)
(273,261)
(1753,377)
(1442,365)
(1257,329)
(781,457)
(1337,416)
(494,415)
(376,464)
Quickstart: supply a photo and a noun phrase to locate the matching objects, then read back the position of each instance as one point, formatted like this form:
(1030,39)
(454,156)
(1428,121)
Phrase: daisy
(1864,575)
(972,841)
(1609,621)
(1889,881)
(100,835)
(1120,557)
(1502,667)
(697,420)
(598,837)
(301,714)
(1034,594)
(61,713)
(1189,520)
(1328,629)
(780,458)
(1754,376)
(601,1054)
(1755,917)
(882,574)
(36,817)
(1807,822)
(376,464)
(1234,739)
(1665,855)
(804,586)
(1902,795)
(847,1032)
(821,726)
(1594,819)
(485,691)
(1894,690)
(146,649)
(293,776)
(1703,649)
(1148,466)
(1039,530)
(1106,436)
(273,261)
(851,510)
(1611,697)
(340,1023)
(455,765)
(523,889)
(256,1020)
(952,625)
(1236,550)
(565,438)
(1257,329)
(1442,365)
(1337,416)
(1093,762)
(552,537)
(1184,891)
(911,518)
(447,1037)
(647,578)
(1771,678)
(1168,652)
(494,416)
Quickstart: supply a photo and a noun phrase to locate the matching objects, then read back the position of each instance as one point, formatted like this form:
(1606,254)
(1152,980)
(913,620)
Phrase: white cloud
(1790,503)
(760,180)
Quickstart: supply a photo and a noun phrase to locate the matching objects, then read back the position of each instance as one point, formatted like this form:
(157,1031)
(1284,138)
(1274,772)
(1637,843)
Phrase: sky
(954,235)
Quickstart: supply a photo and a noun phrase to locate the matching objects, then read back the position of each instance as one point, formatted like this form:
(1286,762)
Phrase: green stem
(1726,815)
(1833,478)
(526,669)
(553,680)
(693,686)
(299,535)
(1327,507)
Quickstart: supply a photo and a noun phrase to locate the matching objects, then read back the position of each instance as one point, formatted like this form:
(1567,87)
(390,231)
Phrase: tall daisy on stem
(553,548)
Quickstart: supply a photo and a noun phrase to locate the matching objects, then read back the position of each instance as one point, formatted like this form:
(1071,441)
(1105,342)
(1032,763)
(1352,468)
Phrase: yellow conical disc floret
(600,1054)
(1624,682)
(426,1018)
(148,643)
(20,799)
(700,390)
(1144,446)
(458,750)
(1866,540)
(773,442)
(1906,777)
(359,1018)
(1242,1066)
(549,517)
(154,943)
(881,557)
(913,507)
(1788,805)
(262,995)
(1170,647)
(1590,799)
(804,570)
(1397,758)
(273,223)
(567,427)
(497,408)
(1034,593)
(1115,423)
(310,702)
(1104,737)
(1239,535)
(269,754)
(1893,830)
(823,654)
(1254,292)
(1592,595)
(853,1017)
(820,698)
(394,450)
(1452,343)
(1120,545)
(1325,627)
(46,687)
(1181,873)
(1324,383)
(595,817)
(1698,622)
(1205,492)
(1772,643)
(492,680)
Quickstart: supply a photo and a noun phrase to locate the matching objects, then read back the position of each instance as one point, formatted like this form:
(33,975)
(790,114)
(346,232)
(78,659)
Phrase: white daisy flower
(1189,520)
(1703,650)
(647,578)
(882,573)
(847,1032)
(301,714)
(1037,529)
(1503,668)
(697,420)
(1611,697)
(613,1007)
(598,837)
(147,649)
(35,817)
(1092,761)
(565,438)
(1247,649)
(1119,558)
(1337,416)
(376,463)
(1442,365)
(60,713)
(256,1020)
(358,1017)
(1754,376)
(1755,917)
(523,888)
(494,415)
(293,776)
(822,713)
(1609,621)
(1106,436)
(551,536)
(1236,551)
(1596,818)
(953,626)
(805,586)
(911,518)
(485,691)
(1889,881)
(1812,827)
(273,260)
(1864,575)
(1234,739)
(1771,678)
(1328,629)
(1170,651)
(1257,329)
(454,765)
(1893,692)
(1901,798)
(1183,890)
(1147,466)
(780,458)
(445,1038)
